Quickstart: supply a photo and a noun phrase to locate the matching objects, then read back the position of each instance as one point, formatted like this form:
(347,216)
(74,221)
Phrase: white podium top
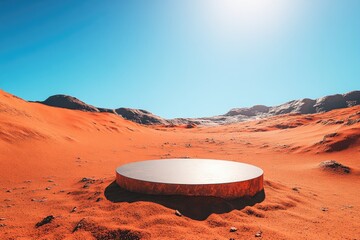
(190,171)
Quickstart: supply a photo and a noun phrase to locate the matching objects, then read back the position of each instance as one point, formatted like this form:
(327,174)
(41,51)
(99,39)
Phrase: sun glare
(252,18)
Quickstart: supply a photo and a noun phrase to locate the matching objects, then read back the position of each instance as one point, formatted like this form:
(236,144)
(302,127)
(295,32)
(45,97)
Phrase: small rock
(330,135)
(9,191)
(295,189)
(73,210)
(190,125)
(335,166)
(46,220)
(324,209)
(87,180)
(99,199)
(2,219)
(86,185)
(233,229)
(258,234)
(27,181)
(177,213)
(2,225)
(48,188)
(50,180)
(78,225)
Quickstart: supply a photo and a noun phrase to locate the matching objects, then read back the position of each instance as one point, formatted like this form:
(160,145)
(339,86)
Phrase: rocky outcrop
(352,98)
(250,112)
(302,106)
(107,110)
(140,116)
(135,115)
(65,101)
(329,103)
(334,166)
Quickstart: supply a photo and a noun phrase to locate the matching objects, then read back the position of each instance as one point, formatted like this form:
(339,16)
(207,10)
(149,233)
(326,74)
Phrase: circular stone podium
(191,177)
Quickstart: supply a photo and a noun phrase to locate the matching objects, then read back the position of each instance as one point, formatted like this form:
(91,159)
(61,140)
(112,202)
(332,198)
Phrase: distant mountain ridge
(302,106)
(136,115)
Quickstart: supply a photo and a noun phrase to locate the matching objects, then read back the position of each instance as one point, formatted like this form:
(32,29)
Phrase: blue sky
(180,58)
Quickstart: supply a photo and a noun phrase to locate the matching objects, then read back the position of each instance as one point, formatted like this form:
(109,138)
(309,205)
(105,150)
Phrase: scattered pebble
(233,229)
(177,213)
(324,209)
(258,234)
(46,220)
(38,200)
(48,188)
(73,210)
(347,206)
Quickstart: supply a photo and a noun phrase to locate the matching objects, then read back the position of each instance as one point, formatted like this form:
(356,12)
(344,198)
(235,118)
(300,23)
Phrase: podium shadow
(194,207)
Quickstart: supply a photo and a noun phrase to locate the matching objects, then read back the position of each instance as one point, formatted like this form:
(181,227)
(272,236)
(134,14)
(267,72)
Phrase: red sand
(46,151)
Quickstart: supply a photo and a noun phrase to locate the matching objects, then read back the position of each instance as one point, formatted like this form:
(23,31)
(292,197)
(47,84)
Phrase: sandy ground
(45,153)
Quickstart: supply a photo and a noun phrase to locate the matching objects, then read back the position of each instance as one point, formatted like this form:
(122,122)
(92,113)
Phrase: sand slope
(45,153)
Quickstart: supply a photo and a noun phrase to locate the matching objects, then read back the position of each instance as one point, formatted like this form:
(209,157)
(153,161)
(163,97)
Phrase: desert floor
(46,152)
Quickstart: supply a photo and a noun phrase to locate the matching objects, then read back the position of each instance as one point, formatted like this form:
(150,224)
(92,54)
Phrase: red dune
(61,163)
